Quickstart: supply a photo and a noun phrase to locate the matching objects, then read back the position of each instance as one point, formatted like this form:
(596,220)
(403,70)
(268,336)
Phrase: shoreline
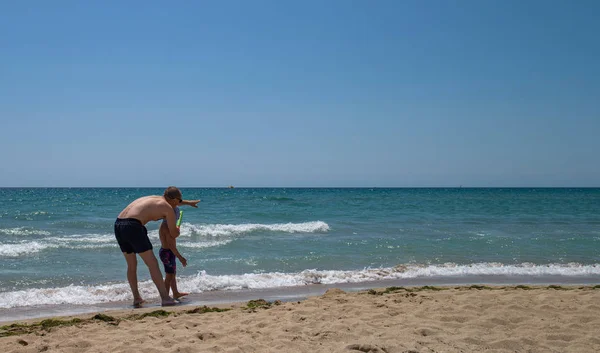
(291,293)
(384,319)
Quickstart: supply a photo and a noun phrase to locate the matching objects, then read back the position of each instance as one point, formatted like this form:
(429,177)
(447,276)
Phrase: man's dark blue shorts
(132,236)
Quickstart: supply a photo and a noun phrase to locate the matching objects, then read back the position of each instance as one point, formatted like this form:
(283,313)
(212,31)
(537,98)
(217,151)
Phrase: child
(168,252)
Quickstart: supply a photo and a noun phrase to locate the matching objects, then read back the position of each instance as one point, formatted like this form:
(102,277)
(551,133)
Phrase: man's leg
(132,277)
(150,261)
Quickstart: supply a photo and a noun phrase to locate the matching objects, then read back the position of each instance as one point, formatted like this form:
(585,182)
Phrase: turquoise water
(57,245)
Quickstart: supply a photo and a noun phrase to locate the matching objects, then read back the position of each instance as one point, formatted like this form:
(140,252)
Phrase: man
(132,237)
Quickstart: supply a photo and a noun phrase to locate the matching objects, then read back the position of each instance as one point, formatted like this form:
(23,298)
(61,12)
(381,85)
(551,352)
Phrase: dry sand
(463,319)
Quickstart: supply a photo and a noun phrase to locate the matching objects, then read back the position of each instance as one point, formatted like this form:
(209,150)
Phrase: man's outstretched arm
(193,203)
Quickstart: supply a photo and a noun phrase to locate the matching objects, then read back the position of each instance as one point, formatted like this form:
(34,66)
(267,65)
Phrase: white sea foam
(18,249)
(32,215)
(204,282)
(226,230)
(188,231)
(87,241)
(84,238)
(230,230)
(203,244)
(23,231)
(73,295)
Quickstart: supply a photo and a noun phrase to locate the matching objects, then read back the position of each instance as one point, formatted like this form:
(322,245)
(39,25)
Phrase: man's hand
(183,261)
(193,203)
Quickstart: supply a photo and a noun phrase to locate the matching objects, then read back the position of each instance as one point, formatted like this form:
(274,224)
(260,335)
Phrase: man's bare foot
(138,303)
(168,302)
(179,295)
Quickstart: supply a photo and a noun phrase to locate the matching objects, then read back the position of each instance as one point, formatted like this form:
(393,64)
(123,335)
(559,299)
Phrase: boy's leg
(165,258)
(170,261)
(169,277)
(173,262)
(177,293)
(174,287)
(150,260)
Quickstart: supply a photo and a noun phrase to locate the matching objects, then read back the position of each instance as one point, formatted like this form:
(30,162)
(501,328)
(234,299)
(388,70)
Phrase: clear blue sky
(300,93)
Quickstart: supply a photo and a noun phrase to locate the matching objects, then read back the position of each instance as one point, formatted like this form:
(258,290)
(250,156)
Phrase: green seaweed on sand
(18,329)
(260,303)
(49,323)
(416,289)
(389,290)
(155,313)
(103,317)
(520,286)
(394,290)
(14,329)
(206,309)
(553,286)
(432,288)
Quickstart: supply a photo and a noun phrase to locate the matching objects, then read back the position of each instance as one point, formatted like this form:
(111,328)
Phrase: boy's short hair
(173,192)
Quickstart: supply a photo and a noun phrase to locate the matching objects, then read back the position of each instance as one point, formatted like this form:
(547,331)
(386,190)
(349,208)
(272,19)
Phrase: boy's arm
(193,203)
(172,244)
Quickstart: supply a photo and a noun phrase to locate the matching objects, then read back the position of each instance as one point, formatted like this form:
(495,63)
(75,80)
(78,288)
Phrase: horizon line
(303,187)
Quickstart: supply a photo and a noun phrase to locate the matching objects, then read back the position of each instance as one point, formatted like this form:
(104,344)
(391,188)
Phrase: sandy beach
(414,319)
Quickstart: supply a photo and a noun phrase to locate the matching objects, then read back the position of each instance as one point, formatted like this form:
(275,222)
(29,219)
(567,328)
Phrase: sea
(58,253)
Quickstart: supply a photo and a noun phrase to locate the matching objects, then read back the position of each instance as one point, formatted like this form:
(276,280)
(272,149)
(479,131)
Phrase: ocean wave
(188,230)
(84,238)
(87,241)
(33,215)
(203,282)
(226,230)
(278,198)
(24,231)
(18,249)
(72,294)
(203,244)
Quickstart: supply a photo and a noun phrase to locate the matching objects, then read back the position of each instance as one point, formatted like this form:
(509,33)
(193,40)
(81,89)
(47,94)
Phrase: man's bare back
(147,208)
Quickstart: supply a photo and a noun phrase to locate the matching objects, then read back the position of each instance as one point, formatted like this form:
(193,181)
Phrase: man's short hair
(173,193)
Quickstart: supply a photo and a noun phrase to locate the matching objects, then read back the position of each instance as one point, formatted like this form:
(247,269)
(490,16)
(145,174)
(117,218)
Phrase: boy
(168,252)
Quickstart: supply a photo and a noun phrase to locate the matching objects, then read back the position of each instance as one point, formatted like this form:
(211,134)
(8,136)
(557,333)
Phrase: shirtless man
(132,237)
